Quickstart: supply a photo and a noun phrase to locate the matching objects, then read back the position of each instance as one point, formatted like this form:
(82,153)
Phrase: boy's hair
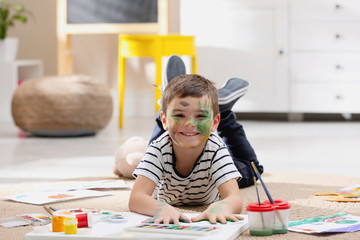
(192,85)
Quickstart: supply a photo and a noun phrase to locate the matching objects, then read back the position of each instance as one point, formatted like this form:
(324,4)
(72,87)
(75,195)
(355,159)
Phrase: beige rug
(297,188)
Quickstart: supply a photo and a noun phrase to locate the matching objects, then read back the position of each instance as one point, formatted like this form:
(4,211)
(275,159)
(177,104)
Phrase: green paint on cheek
(176,120)
(204,125)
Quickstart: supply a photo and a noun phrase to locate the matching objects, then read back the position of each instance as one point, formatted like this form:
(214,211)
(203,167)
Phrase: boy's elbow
(131,203)
(130,206)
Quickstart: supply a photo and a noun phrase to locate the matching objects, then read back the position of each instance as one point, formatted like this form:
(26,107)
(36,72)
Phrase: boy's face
(190,121)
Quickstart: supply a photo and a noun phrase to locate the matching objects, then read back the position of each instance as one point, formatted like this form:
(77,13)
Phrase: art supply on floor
(40,198)
(81,185)
(107,230)
(258,197)
(207,220)
(47,208)
(113,217)
(70,225)
(14,221)
(172,229)
(257,191)
(262,183)
(36,219)
(268,195)
(53,209)
(337,223)
(261,219)
(282,209)
(347,194)
(57,223)
(84,219)
(93,215)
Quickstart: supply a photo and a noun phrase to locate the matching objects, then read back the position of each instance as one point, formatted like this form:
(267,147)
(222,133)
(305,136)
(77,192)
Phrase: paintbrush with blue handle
(262,183)
(267,192)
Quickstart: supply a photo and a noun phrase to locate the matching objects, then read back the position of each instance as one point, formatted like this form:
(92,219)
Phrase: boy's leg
(175,67)
(233,133)
(233,89)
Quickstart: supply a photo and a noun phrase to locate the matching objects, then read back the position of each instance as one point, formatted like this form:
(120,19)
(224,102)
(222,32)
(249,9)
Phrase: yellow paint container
(70,225)
(57,224)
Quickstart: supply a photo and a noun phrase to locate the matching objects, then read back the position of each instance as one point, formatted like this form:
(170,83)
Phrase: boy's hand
(218,211)
(167,215)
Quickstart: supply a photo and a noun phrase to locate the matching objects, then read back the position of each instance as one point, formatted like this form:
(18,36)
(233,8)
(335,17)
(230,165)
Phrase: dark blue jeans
(234,137)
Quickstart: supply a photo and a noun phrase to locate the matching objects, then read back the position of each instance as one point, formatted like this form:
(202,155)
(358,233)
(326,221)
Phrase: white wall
(37,38)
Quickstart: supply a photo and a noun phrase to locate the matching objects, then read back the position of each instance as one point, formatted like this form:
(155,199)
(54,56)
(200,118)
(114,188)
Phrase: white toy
(128,156)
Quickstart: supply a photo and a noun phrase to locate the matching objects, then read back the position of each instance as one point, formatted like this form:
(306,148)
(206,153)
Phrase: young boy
(231,132)
(187,164)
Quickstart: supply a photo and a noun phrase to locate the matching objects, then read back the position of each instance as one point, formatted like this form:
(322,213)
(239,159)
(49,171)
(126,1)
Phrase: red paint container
(84,220)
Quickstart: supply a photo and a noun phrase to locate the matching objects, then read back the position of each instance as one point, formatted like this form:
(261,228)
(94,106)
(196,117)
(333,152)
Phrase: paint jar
(261,219)
(70,225)
(84,220)
(57,224)
(282,209)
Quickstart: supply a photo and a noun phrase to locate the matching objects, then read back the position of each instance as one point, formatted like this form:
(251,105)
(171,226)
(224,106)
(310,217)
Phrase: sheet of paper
(79,185)
(39,198)
(337,223)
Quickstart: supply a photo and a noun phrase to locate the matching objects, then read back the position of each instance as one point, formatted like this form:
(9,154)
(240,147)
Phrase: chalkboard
(111,11)
(106,17)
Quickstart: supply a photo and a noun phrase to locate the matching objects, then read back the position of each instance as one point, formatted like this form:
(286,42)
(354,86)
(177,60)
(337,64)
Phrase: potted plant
(10,12)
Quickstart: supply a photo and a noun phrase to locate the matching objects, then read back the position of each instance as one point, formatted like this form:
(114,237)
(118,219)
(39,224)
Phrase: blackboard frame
(65,31)
(160,27)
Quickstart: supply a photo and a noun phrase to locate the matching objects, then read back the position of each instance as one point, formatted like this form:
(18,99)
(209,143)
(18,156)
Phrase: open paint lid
(263,207)
(279,204)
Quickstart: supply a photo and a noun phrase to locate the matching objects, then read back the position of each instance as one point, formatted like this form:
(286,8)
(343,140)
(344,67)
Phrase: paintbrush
(258,197)
(267,193)
(262,183)
(50,209)
(257,191)
(47,208)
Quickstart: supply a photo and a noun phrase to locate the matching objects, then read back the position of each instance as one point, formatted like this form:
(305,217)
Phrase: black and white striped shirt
(214,167)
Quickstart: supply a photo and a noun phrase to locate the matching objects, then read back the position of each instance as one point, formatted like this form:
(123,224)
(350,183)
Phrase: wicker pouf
(70,105)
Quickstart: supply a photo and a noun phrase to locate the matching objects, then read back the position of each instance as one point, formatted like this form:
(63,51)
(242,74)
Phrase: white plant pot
(8,49)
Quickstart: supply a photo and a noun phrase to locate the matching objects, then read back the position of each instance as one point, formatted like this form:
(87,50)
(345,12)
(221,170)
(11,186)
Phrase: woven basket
(62,105)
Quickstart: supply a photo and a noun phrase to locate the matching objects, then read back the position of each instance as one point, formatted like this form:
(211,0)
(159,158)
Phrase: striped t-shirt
(214,167)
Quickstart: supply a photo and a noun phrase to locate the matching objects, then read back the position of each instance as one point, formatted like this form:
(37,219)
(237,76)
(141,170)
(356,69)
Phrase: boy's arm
(142,202)
(231,203)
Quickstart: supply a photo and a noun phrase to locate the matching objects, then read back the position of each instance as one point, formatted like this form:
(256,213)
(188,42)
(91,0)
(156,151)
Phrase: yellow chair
(155,46)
